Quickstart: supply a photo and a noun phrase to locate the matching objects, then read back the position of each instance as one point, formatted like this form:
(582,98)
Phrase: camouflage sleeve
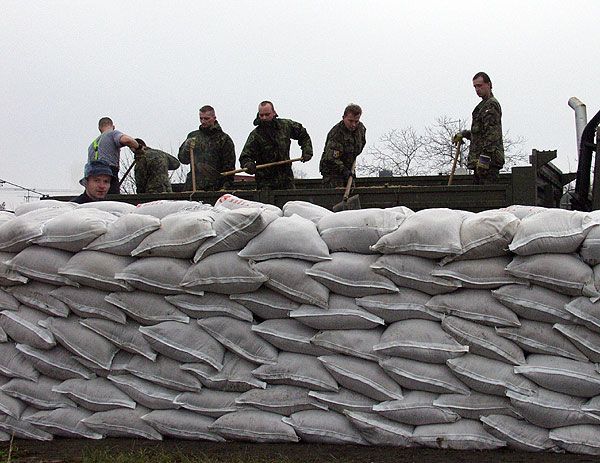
(184,149)
(250,150)
(228,157)
(492,132)
(140,176)
(332,155)
(299,133)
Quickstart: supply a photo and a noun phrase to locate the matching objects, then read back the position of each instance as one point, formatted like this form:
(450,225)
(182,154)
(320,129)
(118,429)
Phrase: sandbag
(146,308)
(518,434)
(305,209)
(210,305)
(320,426)
(97,270)
(161,275)
(405,304)
(125,234)
(462,435)
(254,426)
(41,264)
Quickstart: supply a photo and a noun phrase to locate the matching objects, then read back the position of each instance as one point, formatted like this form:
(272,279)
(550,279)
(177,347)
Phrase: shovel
(262,166)
(126,173)
(348,202)
(454,162)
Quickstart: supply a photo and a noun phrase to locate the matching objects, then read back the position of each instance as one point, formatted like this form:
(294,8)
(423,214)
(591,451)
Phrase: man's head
(208,118)
(141,146)
(482,84)
(266,111)
(96,179)
(351,116)
(105,124)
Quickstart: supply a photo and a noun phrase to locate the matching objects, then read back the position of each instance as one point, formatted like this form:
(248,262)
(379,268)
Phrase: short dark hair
(484,76)
(207,108)
(104,121)
(353,109)
(267,102)
(141,142)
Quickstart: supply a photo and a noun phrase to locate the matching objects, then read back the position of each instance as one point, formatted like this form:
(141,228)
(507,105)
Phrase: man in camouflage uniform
(345,141)
(270,142)
(152,168)
(486,151)
(214,153)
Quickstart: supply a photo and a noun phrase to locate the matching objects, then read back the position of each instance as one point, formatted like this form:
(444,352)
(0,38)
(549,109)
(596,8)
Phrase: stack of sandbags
(243,321)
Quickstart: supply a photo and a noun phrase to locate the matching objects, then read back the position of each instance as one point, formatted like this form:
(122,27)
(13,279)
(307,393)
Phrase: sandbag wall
(439,328)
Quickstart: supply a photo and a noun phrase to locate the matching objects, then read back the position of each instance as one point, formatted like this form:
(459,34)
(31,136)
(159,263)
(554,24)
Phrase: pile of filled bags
(243,321)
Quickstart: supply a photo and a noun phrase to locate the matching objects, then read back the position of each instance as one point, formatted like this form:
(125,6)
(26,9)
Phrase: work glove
(346,174)
(458,138)
(250,167)
(305,157)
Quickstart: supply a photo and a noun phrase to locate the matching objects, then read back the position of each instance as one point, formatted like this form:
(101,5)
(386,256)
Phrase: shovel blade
(350,204)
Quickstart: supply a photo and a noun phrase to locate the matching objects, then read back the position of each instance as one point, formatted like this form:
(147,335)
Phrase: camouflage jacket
(151,171)
(214,153)
(341,149)
(486,133)
(270,143)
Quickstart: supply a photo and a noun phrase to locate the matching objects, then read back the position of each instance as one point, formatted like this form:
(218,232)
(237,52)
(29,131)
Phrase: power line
(31,190)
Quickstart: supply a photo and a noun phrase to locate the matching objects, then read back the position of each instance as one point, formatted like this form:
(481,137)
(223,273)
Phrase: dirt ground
(71,450)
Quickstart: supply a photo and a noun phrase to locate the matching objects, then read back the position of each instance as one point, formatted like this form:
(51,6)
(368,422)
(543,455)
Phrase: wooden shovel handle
(454,163)
(262,166)
(349,182)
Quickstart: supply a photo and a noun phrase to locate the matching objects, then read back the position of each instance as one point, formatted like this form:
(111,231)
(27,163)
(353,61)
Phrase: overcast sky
(150,65)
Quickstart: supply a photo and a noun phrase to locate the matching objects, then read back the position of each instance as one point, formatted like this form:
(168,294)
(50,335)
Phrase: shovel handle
(193,166)
(127,172)
(349,182)
(262,166)
(454,163)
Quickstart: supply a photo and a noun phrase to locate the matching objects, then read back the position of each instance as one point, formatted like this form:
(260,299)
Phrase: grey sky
(151,64)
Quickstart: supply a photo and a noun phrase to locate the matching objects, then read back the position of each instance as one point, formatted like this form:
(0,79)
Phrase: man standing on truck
(270,142)
(486,151)
(152,168)
(107,148)
(213,153)
(345,141)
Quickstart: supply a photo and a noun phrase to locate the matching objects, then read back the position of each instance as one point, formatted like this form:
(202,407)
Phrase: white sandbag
(82,341)
(96,394)
(16,234)
(380,431)
(238,337)
(490,376)
(422,340)
(282,399)
(475,405)
(41,264)
(164,371)
(483,340)
(540,338)
(586,340)
(521,211)
(97,270)
(474,304)
(327,427)
(337,317)
(185,342)
(350,274)
(344,399)
(564,273)
(585,312)
(420,376)
(161,275)
(9,277)
(254,426)
(89,303)
(583,438)
(518,434)
(430,233)
(38,394)
(362,376)
(22,327)
(60,206)
(593,406)
(179,235)
(562,375)
(64,422)
(297,370)
(287,237)
(165,207)
(288,277)
(535,303)
(207,402)
(122,423)
(14,364)
(413,272)
(21,429)
(289,335)
(126,336)
(182,424)
(266,303)
(8,301)
(358,230)
(37,296)
(10,405)
(224,273)
(234,229)
(75,229)
(487,273)
(232,202)
(463,435)
(146,308)
(551,231)
(236,375)
(416,408)
(125,234)
(548,409)
(403,305)
(117,366)
(210,305)
(310,211)
(117,208)
(357,343)
(145,393)
(56,363)
(590,248)
(5,216)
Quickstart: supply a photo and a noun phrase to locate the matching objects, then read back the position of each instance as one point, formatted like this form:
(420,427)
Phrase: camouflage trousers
(486,176)
(332,181)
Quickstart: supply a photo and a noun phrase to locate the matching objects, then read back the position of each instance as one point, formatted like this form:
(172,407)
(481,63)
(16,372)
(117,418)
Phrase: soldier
(345,141)
(486,151)
(96,180)
(152,168)
(269,142)
(107,148)
(214,153)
